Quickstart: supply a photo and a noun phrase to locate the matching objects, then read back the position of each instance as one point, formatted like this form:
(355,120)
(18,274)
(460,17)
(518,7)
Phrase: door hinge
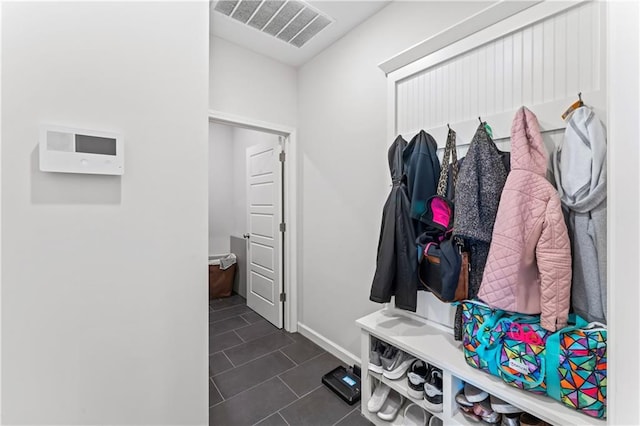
(282,156)
(283,227)
(283,297)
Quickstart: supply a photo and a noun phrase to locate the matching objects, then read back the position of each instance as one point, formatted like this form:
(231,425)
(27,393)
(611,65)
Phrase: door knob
(247,236)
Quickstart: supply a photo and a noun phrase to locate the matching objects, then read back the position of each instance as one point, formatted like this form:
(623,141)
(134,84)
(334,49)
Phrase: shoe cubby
(436,346)
(400,386)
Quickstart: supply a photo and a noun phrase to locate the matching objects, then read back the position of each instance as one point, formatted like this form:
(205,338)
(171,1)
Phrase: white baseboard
(333,348)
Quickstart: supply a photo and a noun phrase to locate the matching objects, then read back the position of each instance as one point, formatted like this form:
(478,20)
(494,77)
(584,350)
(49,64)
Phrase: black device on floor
(345,383)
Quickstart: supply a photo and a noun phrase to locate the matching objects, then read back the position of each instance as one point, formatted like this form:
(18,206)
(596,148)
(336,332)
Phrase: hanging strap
(552,349)
(449,153)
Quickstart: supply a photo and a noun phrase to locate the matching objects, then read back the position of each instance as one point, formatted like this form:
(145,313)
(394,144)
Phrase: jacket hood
(580,163)
(527,149)
(394,155)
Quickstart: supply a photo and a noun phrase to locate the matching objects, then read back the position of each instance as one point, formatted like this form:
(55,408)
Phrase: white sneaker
(503,407)
(376,349)
(435,421)
(474,394)
(414,415)
(395,367)
(380,394)
(391,406)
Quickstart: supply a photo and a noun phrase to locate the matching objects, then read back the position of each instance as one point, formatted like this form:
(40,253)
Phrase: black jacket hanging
(423,171)
(412,173)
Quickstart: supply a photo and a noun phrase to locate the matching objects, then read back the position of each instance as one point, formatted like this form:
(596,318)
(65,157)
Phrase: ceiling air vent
(292,21)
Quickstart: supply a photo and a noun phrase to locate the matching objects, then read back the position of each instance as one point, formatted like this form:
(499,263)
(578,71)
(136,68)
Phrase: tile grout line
(269,415)
(293,402)
(244,343)
(289,387)
(239,337)
(255,359)
(345,416)
(276,376)
(219,393)
(266,380)
(235,346)
(230,316)
(227,331)
(312,390)
(248,389)
(282,417)
(294,363)
(227,307)
(230,362)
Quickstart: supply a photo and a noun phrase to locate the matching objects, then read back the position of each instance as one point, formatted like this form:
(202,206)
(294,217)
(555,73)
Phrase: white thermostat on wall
(68,150)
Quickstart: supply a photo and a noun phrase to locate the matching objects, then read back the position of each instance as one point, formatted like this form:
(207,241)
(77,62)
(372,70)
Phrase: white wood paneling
(263,256)
(540,61)
(546,61)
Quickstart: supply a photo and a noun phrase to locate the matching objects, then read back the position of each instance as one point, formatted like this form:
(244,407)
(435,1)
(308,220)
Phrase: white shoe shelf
(424,341)
(399,386)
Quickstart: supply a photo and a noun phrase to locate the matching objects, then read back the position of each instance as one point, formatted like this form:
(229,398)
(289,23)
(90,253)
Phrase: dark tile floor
(262,375)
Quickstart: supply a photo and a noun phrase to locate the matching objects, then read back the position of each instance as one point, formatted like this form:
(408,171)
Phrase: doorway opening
(251,212)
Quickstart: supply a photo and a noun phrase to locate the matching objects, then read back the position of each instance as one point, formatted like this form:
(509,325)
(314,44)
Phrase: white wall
(345,179)
(221,189)
(247,84)
(104,295)
(623,206)
(228,182)
(243,139)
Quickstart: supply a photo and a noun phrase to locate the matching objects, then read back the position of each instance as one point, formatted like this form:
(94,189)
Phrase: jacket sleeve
(553,254)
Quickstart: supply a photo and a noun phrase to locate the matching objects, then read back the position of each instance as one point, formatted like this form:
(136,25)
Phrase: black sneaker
(416,378)
(433,391)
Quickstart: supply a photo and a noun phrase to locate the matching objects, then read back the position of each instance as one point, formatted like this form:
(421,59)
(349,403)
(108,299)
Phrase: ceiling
(345,15)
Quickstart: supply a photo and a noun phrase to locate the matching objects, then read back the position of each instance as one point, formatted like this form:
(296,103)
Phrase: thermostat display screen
(95,145)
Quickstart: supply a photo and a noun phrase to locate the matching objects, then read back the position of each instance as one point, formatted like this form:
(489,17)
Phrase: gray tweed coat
(477,195)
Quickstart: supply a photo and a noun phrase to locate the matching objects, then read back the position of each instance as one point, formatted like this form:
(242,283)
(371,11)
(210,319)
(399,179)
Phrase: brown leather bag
(462,291)
(438,278)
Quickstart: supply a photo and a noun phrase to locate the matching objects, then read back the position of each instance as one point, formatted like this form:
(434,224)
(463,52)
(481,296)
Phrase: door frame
(289,209)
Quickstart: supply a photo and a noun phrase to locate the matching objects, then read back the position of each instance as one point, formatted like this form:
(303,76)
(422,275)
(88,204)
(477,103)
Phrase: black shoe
(433,391)
(416,378)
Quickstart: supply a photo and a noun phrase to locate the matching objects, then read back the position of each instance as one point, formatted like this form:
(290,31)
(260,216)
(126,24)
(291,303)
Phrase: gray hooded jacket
(580,171)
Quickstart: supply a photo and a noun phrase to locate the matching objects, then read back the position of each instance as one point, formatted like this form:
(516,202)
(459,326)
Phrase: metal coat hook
(480,120)
(580,96)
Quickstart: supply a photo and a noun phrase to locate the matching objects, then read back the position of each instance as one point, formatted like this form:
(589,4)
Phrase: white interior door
(264,253)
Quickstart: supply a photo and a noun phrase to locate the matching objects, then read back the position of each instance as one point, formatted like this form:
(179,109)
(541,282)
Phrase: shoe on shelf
(414,415)
(527,419)
(468,414)
(416,378)
(474,394)
(395,363)
(503,407)
(435,421)
(510,419)
(433,391)
(379,396)
(483,410)
(391,406)
(463,401)
(376,349)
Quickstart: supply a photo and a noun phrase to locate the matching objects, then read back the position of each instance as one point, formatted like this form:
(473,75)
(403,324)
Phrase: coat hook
(480,120)
(580,96)
(448,126)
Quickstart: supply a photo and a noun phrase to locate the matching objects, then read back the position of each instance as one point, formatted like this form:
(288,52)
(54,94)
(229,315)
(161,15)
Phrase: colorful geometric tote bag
(577,368)
(481,335)
(522,357)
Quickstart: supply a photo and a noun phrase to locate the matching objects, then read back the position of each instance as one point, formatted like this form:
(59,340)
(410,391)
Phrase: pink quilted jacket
(529,265)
